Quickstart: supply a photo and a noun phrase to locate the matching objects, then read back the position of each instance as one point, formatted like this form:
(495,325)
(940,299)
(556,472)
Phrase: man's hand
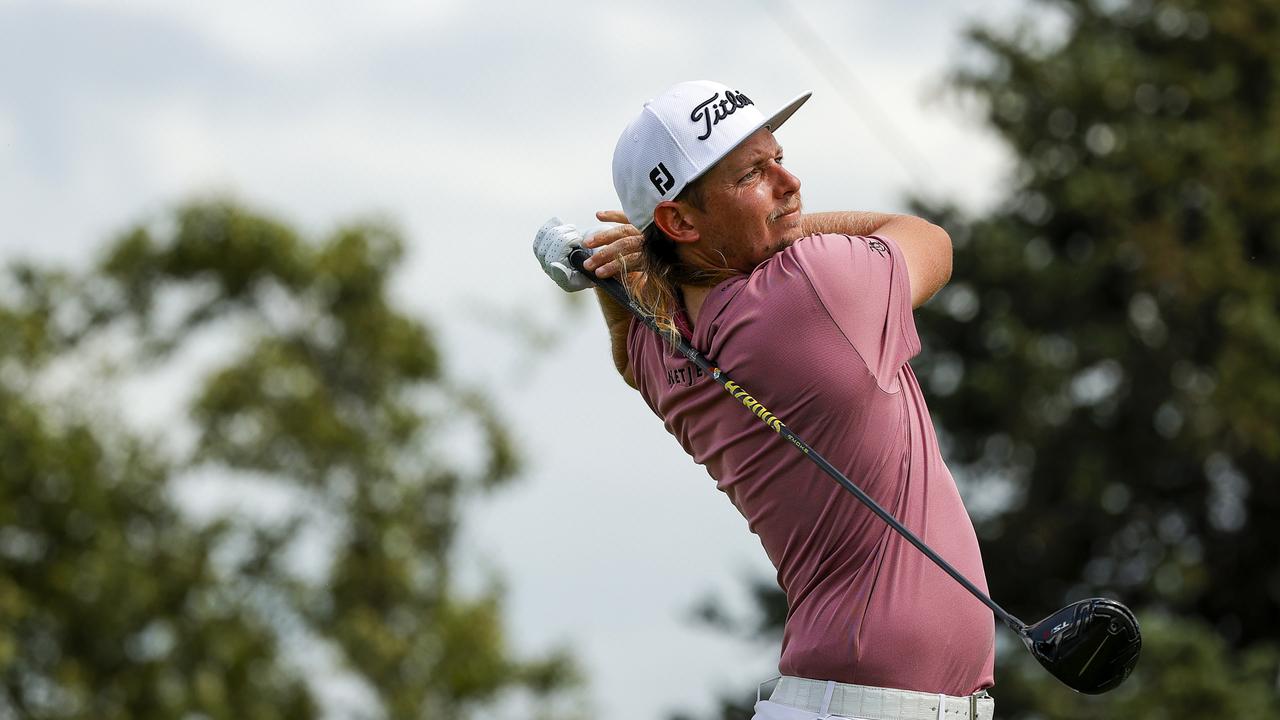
(552,245)
(613,245)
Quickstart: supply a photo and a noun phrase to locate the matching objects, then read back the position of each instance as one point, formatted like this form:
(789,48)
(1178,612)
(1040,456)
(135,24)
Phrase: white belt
(873,703)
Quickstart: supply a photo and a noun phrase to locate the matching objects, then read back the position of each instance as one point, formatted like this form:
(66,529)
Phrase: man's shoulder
(786,277)
(832,253)
(811,253)
(818,243)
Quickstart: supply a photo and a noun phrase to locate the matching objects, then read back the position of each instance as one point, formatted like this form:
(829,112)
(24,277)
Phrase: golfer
(813,313)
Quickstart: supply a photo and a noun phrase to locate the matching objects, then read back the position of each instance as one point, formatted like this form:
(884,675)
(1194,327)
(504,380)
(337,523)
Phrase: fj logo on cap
(661,179)
(712,112)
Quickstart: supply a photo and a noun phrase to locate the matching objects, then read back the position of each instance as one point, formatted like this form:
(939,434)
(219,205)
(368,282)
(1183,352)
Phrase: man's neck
(694,295)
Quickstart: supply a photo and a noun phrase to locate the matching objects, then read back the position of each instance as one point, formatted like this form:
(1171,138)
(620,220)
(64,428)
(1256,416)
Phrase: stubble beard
(789,239)
(726,247)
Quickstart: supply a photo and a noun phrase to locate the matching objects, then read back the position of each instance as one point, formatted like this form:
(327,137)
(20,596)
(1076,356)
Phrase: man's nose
(786,183)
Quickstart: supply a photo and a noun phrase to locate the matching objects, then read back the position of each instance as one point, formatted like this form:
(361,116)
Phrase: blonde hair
(655,286)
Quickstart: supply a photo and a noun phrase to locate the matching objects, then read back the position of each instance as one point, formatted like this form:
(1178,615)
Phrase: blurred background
(292,426)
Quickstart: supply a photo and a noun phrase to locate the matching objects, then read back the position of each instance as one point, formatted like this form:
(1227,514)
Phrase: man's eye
(749,176)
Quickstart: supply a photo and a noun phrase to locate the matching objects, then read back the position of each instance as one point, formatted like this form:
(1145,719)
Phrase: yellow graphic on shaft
(754,406)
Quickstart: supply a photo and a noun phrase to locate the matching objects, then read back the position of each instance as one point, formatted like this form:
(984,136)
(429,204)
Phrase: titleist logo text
(715,108)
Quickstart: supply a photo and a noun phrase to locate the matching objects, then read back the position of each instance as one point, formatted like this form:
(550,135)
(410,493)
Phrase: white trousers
(803,699)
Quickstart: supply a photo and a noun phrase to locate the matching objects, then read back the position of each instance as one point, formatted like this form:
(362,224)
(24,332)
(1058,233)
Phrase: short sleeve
(863,284)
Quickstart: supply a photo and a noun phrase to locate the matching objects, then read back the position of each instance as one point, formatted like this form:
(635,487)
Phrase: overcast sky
(467,125)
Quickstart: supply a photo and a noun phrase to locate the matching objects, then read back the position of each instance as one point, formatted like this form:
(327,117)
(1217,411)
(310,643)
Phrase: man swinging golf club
(814,313)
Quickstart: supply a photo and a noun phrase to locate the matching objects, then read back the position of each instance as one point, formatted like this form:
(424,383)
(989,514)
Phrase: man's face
(751,207)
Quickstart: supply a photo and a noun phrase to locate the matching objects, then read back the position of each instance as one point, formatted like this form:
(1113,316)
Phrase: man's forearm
(926,246)
(618,319)
(845,222)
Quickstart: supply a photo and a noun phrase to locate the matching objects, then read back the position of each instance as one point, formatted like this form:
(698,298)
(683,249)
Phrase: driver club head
(1091,645)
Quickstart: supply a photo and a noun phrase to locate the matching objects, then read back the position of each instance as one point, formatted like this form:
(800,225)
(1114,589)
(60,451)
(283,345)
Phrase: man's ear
(673,219)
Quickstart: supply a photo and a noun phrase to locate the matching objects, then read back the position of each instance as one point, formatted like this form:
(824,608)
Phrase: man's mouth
(778,215)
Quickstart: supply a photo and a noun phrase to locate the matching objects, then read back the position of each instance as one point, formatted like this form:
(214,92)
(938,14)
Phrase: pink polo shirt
(820,334)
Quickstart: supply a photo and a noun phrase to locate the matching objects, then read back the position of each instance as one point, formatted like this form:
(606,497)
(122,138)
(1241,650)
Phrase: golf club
(1091,645)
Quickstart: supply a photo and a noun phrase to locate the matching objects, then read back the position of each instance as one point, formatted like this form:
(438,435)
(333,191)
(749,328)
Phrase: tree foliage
(1107,350)
(114,602)
(1102,367)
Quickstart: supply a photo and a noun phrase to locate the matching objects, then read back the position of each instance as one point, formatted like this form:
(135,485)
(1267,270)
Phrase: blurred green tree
(1187,670)
(118,602)
(1102,367)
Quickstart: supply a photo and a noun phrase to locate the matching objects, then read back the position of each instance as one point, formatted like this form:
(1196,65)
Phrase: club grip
(577,257)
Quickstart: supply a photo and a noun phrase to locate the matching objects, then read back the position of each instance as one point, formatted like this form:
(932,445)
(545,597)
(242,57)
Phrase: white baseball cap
(680,135)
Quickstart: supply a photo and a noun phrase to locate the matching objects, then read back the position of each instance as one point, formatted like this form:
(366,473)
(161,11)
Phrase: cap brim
(786,112)
(773,123)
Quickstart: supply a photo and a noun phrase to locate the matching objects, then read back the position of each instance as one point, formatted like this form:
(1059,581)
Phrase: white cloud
(287,34)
